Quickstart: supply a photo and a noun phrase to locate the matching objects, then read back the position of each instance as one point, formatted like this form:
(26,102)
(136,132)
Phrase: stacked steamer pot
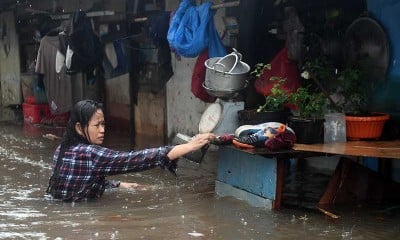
(226,76)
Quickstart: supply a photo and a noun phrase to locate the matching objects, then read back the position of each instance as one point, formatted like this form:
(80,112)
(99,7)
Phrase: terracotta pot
(368,127)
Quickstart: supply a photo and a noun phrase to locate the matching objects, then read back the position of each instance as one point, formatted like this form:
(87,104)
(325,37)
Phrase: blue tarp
(387,98)
(192,30)
(387,13)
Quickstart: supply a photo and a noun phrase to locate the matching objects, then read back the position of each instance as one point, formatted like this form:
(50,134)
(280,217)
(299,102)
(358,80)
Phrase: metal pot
(227,94)
(226,73)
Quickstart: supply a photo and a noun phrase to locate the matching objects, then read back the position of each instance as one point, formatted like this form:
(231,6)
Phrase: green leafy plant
(277,99)
(347,85)
(319,68)
(353,91)
(259,69)
(309,104)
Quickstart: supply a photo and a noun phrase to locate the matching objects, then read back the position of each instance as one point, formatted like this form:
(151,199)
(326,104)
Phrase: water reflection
(165,208)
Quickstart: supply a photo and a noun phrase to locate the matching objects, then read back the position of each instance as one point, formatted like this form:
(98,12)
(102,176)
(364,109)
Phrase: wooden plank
(329,195)
(266,152)
(379,149)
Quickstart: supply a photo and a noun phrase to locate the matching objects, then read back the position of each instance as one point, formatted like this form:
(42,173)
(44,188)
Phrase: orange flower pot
(365,127)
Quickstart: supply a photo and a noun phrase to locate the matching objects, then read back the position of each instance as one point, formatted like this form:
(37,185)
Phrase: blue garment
(121,58)
(192,30)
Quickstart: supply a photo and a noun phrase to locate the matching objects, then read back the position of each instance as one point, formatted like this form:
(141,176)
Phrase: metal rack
(214,7)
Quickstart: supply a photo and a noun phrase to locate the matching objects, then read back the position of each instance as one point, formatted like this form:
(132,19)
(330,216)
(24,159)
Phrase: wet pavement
(167,208)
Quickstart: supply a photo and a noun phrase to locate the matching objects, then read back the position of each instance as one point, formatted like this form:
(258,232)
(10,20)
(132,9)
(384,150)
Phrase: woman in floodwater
(81,165)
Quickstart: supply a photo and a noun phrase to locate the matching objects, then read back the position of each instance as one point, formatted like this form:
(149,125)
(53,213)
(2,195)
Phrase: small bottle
(334,128)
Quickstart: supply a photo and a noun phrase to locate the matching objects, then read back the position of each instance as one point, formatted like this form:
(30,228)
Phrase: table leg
(280,175)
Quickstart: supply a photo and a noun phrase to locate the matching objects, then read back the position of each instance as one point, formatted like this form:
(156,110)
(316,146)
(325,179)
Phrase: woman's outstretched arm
(194,144)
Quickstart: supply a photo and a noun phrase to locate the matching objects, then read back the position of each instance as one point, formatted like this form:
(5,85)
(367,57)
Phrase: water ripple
(14,156)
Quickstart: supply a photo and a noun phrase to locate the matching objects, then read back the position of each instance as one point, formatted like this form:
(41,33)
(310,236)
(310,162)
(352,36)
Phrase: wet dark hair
(82,112)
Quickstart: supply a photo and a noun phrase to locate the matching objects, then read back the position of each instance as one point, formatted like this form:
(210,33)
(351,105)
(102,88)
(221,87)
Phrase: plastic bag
(192,30)
(198,77)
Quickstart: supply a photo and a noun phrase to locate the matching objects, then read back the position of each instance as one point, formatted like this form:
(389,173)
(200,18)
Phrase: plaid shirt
(84,168)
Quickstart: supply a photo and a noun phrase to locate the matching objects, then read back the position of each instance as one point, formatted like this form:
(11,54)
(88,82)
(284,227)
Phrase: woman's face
(96,128)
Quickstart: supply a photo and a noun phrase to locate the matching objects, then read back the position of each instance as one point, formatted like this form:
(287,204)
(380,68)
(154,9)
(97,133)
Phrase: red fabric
(282,67)
(283,140)
(198,77)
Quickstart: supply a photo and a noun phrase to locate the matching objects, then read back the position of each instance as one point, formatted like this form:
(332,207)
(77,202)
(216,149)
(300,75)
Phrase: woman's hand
(194,144)
(200,140)
(132,186)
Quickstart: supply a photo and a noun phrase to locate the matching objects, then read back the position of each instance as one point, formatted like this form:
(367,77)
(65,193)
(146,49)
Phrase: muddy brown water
(168,208)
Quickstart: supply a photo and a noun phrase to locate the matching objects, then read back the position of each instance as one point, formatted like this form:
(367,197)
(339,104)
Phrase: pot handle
(219,67)
(238,54)
(218,63)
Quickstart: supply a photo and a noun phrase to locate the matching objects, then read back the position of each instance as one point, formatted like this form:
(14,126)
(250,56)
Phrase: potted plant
(308,118)
(310,104)
(360,122)
(348,94)
(273,108)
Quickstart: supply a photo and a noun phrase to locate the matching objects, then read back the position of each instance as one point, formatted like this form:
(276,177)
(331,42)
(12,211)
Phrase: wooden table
(378,149)
(257,175)
(344,180)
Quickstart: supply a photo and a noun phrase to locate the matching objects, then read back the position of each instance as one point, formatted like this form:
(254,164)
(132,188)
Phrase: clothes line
(214,7)
(225,5)
(89,14)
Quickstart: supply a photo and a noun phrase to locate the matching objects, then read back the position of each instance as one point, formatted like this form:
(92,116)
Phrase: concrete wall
(118,100)
(183,108)
(10,76)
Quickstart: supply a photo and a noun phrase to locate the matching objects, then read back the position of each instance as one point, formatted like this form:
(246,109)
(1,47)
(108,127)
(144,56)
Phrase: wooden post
(280,178)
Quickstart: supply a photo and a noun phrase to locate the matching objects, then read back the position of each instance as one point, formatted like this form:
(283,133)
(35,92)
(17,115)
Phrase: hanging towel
(192,30)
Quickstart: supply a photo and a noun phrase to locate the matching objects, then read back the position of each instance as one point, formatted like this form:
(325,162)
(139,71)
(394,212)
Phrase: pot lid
(210,118)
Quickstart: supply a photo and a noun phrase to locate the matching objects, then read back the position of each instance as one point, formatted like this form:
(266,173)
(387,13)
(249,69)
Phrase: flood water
(166,208)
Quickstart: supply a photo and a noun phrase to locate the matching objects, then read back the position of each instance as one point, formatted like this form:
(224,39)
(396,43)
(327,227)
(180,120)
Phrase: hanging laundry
(192,30)
(111,54)
(58,86)
(116,60)
(117,56)
(152,54)
(158,24)
(84,51)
